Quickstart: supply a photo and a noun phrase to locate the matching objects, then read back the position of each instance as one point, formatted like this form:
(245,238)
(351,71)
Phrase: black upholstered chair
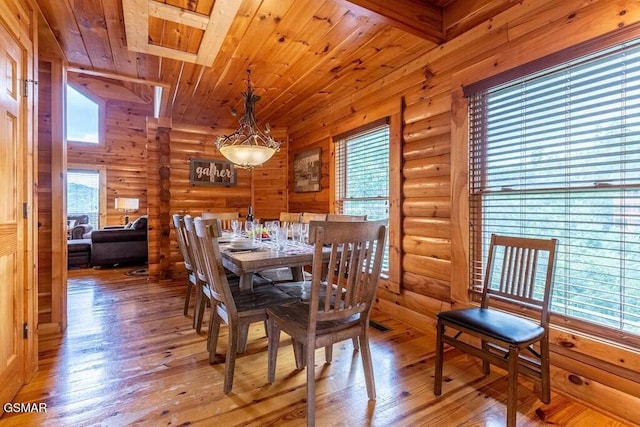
(81,229)
(518,278)
(121,245)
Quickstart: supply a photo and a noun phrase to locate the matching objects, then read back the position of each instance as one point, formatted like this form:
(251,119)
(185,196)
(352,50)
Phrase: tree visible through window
(82,118)
(362,176)
(557,154)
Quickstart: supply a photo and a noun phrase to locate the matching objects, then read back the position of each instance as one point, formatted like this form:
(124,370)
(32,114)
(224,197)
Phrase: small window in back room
(82,117)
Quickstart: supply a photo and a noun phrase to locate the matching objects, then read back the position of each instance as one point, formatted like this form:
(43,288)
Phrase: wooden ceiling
(303,54)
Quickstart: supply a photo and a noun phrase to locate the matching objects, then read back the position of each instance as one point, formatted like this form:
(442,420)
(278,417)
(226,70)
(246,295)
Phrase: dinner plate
(234,248)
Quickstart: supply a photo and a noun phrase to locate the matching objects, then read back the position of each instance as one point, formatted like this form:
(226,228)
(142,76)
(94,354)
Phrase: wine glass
(257,232)
(304,233)
(235,226)
(295,231)
(248,228)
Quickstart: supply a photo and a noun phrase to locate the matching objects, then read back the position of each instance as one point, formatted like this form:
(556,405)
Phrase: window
(362,176)
(83,194)
(83,118)
(557,154)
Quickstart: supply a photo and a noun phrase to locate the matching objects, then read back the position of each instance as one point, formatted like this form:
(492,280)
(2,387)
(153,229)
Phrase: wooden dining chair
(238,309)
(346,218)
(193,282)
(224,217)
(307,217)
(518,278)
(340,304)
(289,217)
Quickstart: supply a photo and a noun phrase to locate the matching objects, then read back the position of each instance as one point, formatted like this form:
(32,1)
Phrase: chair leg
(328,353)
(230,362)
(367,364)
(198,311)
(512,396)
(214,331)
(187,297)
(545,375)
(311,383)
(356,346)
(486,366)
(243,336)
(298,353)
(437,379)
(272,349)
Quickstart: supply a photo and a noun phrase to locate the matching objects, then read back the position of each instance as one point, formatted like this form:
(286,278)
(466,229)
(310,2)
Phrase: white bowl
(241,244)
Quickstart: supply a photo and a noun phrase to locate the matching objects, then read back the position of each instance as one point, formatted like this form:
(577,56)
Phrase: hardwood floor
(129,357)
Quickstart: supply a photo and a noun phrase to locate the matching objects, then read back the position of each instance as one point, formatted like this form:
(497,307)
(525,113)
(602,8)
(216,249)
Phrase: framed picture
(213,172)
(307,171)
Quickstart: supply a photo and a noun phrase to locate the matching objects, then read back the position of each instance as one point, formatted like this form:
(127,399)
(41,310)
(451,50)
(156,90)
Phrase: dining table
(266,256)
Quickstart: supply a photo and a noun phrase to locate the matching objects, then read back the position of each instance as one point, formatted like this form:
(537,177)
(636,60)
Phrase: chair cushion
(494,323)
(140,223)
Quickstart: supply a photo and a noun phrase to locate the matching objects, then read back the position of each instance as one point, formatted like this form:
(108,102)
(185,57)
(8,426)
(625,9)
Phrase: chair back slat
(183,245)
(346,218)
(520,272)
(190,237)
(224,217)
(287,218)
(307,217)
(207,233)
(353,269)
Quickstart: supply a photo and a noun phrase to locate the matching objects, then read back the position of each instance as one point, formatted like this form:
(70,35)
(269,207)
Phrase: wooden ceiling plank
(415,17)
(262,29)
(124,60)
(341,56)
(222,17)
(62,23)
(178,15)
(92,24)
(382,55)
(212,77)
(136,24)
(345,25)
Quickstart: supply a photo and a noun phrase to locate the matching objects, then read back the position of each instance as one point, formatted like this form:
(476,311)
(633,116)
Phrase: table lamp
(126,204)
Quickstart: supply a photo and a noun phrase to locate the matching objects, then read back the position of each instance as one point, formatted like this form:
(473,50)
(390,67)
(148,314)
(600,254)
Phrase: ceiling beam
(413,16)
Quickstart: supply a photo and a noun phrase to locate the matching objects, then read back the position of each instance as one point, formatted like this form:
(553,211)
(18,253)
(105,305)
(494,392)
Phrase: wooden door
(12,182)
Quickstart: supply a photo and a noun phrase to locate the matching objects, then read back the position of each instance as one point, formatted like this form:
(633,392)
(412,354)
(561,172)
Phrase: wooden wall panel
(45,250)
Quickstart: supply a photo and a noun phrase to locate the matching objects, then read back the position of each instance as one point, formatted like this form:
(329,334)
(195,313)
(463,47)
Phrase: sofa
(120,245)
(81,229)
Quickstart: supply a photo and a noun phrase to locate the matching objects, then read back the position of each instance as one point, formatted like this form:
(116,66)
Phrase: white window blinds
(362,176)
(83,194)
(557,154)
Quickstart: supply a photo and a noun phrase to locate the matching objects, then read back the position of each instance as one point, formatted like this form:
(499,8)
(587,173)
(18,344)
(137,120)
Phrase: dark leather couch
(120,245)
(82,229)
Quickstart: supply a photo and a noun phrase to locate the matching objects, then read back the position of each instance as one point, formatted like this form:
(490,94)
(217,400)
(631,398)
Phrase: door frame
(23,32)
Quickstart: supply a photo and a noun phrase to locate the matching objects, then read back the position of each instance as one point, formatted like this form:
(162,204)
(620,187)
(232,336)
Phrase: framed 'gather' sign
(213,172)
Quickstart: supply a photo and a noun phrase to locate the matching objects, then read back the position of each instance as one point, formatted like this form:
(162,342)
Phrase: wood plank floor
(130,357)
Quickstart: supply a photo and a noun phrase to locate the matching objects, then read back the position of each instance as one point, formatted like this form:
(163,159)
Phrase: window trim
(392,281)
(102,116)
